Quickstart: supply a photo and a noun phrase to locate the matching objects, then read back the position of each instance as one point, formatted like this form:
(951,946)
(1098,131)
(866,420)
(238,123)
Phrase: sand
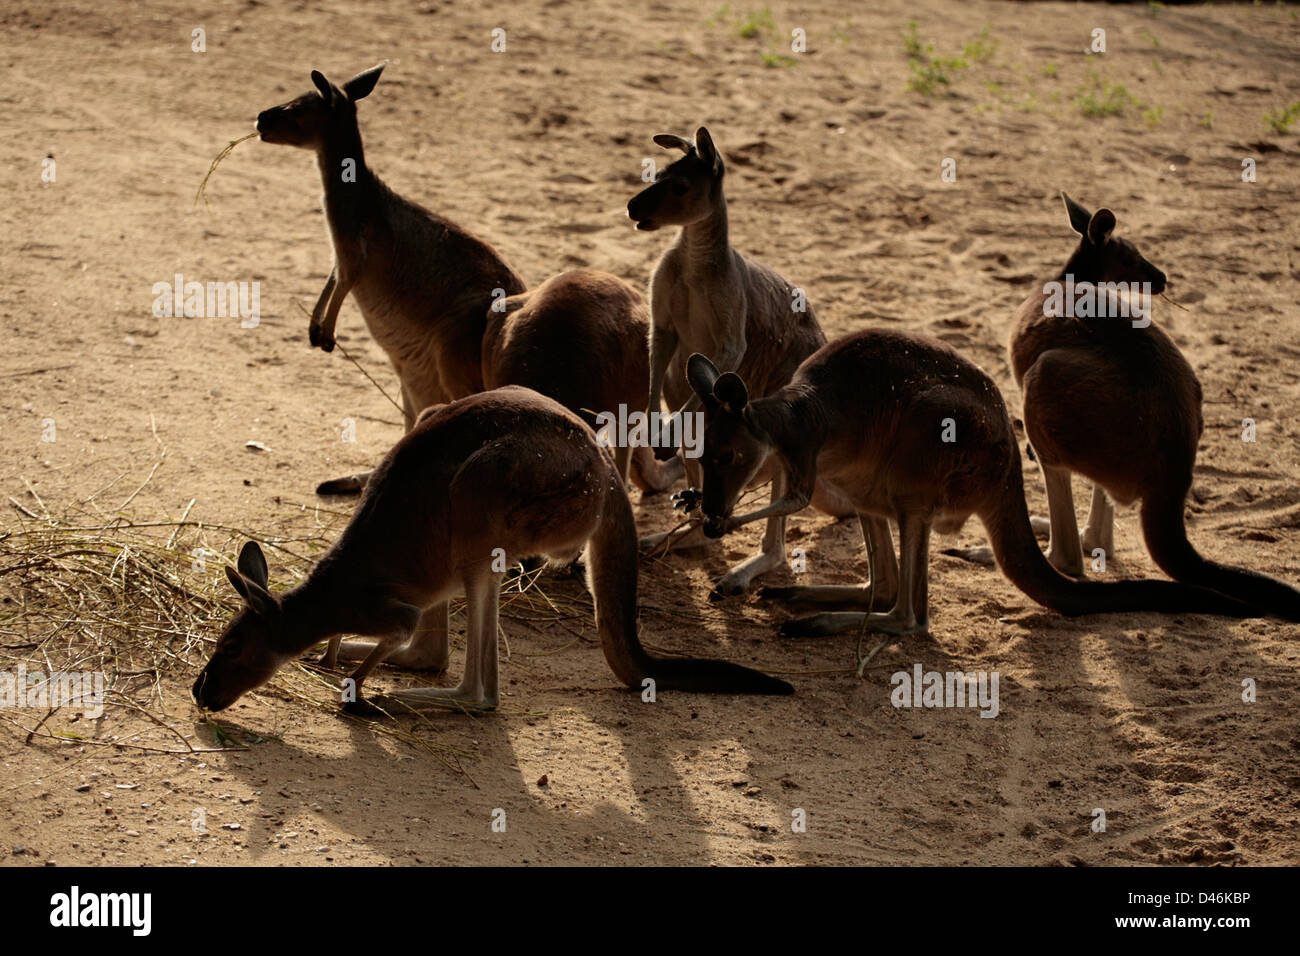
(835,180)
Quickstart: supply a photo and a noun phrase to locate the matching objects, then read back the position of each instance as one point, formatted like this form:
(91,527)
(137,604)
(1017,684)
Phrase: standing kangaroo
(1117,402)
(706,297)
(904,428)
(449,312)
(507,472)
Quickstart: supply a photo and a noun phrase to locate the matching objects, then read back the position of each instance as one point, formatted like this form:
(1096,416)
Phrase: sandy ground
(835,181)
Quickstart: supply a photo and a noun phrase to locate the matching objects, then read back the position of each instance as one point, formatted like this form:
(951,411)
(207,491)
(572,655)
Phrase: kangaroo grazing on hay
(706,297)
(449,312)
(870,413)
(508,469)
(1117,402)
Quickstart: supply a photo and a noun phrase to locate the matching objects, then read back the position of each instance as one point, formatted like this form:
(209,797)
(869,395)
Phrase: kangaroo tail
(1017,553)
(1166,539)
(612,566)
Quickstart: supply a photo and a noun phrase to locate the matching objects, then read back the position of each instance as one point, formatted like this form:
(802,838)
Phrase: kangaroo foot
(351,485)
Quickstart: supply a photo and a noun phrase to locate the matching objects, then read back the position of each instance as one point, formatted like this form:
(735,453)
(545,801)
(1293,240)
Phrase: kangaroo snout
(639,213)
(264,122)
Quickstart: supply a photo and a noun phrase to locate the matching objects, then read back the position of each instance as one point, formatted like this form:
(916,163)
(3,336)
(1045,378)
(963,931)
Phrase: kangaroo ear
(252,564)
(701,373)
(1079,217)
(1101,226)
(361,84)
(258,598)
(731,393)
(673,141)
(326,88)
(708,152)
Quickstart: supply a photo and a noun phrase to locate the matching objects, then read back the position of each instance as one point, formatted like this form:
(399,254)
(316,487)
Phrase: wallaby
(904,428)
(477,482)
(1116,401)
(706,297)
(429,290)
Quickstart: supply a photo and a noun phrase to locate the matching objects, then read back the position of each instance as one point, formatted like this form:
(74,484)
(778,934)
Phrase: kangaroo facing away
(508,469)
(869,414)
(430,291)
(706,297)
(1117,402)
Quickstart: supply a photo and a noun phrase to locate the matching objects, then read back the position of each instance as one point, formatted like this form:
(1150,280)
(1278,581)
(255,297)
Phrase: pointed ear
(708,152)
(252,564)
(1101,226)
(361,84)
(673,141)
(258,598)
(326,88)
(731,393)
(1079,217)
(701,373)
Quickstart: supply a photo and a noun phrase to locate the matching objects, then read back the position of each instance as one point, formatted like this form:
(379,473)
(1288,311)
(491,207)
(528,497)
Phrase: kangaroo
(507,471)
(449,312)
(869,414)
(706,297)
(1116,401)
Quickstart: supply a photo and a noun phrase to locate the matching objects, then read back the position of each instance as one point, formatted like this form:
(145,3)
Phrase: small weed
(1207,119)
(1280,120)
(929,72)
(756,24)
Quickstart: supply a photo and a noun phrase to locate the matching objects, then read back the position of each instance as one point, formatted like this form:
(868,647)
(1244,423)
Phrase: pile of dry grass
(143,603)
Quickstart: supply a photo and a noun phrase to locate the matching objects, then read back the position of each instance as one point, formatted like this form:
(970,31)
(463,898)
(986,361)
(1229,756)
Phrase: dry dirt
(835,181)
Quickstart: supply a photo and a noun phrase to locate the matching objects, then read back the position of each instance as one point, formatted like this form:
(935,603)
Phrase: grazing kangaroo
(871,414)
(1117,402)
(507,472)
(449,312)
(706,297)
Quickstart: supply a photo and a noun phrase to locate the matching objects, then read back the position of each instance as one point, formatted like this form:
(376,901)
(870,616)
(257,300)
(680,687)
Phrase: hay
(230,148)
(131,600)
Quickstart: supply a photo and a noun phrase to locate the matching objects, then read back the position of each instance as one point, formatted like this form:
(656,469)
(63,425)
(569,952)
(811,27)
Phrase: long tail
(612,565)
(1018,555)
(1166,538)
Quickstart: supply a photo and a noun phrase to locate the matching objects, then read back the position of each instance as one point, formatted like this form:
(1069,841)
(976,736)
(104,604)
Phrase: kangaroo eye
(726,457)
(680,189)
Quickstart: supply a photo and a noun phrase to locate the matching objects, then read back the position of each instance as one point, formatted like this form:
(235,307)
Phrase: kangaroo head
(246,655)
(735,447)
(685,192)
(1104,257)
(308,120)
